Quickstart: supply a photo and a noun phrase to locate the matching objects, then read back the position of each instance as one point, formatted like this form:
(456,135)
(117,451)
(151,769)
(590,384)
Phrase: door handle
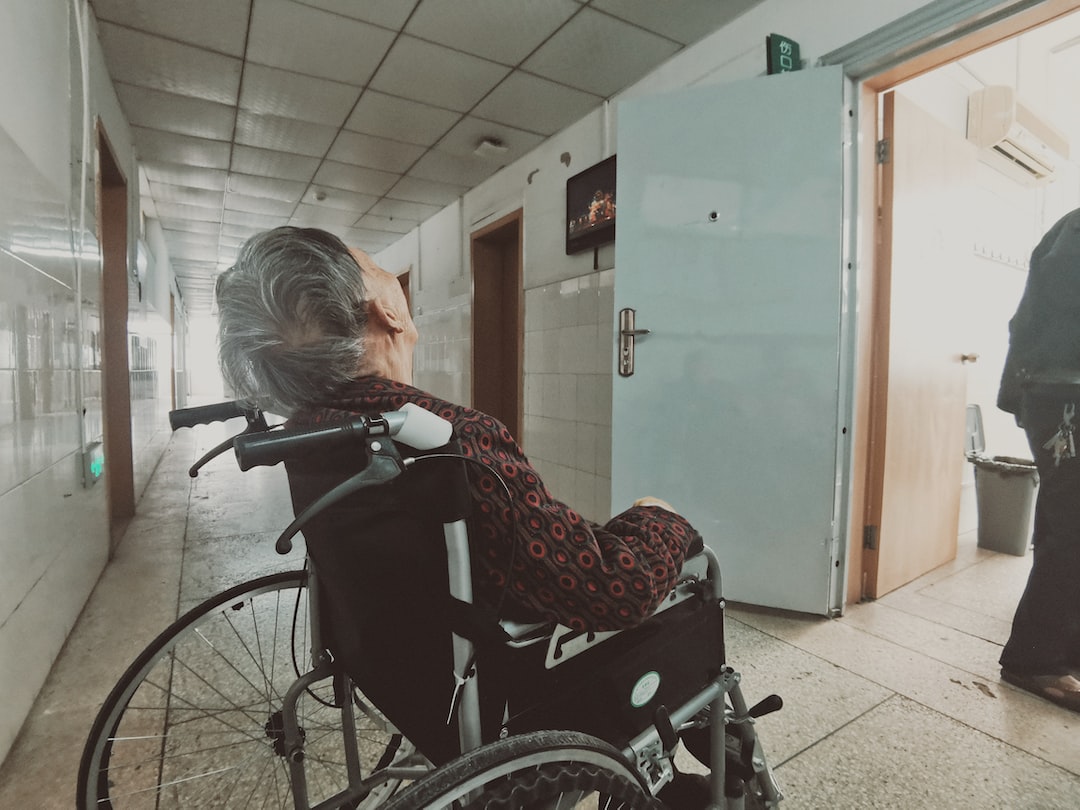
(628,333)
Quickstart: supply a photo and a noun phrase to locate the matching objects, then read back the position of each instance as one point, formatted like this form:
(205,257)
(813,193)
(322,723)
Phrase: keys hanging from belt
(1062,444)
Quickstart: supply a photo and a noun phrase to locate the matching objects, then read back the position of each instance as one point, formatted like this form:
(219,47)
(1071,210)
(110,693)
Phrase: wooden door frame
(498,323)
(112,226)
(873,252)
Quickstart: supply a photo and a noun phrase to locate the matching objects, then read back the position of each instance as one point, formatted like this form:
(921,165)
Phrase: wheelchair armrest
(522,634)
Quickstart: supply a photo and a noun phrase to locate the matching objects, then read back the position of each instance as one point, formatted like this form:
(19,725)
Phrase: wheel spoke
(195,722)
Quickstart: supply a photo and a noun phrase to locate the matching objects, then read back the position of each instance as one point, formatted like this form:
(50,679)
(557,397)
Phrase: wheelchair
(372,677)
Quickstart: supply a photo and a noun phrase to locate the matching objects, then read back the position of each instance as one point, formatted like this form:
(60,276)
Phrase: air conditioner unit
(1012,138)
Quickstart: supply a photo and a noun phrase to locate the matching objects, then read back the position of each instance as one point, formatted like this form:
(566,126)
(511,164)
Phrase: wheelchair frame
(648,757)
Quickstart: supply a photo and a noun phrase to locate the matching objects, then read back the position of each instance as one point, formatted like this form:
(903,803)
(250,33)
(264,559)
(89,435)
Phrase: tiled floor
(896,705)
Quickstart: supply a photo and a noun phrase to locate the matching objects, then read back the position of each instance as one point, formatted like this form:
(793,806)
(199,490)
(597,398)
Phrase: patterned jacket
(565,568)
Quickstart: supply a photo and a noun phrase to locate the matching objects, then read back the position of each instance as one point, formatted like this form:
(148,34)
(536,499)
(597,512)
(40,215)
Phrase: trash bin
(1005,490)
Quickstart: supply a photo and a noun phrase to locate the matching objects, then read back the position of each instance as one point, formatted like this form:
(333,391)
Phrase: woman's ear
(387,316)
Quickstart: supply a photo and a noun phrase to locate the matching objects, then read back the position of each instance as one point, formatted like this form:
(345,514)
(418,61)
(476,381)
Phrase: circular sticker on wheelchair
(645,689)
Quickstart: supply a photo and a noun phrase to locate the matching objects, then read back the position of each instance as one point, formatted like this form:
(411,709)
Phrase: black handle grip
(205,414)
(773,703)
(268,449)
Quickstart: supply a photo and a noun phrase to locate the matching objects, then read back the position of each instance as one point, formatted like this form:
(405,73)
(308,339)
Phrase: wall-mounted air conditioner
(1012,138)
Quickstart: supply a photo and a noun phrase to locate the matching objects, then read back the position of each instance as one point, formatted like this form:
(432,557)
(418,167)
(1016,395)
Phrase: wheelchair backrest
(380,558)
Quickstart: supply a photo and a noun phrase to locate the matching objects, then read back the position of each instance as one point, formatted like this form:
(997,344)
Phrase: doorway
(498,324)
(911,459)
(112,220)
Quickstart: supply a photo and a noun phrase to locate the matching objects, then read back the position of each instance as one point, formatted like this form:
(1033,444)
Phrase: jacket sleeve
(564,568)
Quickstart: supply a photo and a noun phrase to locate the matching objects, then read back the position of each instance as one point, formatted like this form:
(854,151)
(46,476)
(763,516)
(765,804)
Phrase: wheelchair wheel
(539,770)
(195,721)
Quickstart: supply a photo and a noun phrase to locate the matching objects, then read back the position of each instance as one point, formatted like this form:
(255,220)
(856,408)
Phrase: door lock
(628,333)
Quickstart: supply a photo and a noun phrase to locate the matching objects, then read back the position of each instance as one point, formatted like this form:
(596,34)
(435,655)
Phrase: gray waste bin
(1005,490)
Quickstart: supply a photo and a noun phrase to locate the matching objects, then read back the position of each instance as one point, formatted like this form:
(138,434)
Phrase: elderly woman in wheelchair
(473,641)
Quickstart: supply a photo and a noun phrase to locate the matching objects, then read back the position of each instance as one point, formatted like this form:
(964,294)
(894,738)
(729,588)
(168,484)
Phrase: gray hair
(292,315)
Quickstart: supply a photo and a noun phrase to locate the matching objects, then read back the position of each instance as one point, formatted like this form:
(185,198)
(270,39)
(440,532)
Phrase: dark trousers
(1045,637)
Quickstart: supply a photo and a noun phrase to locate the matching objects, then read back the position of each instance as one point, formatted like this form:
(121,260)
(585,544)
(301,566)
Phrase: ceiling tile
(183,115)
(270,163)
(368,240)
(189,238)
(231,245)
(272,188)
(269,91)
(391,208)
(377,223)
(322,216)
(433,74)
(494,29)
(194,227)
(150,61)
(235,231)
(413,189)
(155,145)
(177,211)
(339,198)
(259,205)
(298,37)
(387,13)
(463,140)
(193,176)
(260,221)
(193,252)
(219,25)
(189,265)
(354,178)
(444,167)
(380,153)
(686,21)
(536,104)
(188,196)
(599,54)
(283,134)
(400,119)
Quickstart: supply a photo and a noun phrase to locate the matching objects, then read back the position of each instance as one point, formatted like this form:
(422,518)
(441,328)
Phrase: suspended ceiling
(359,116)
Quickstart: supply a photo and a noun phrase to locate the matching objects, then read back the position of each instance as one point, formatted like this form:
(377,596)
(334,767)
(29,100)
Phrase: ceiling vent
(1012,138)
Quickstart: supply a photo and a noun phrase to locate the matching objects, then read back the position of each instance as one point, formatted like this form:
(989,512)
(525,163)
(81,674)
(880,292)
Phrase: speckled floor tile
(904,755)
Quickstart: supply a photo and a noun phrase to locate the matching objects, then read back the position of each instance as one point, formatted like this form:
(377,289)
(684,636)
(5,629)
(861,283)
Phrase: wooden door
(498,322)
(919,397)
(112,203)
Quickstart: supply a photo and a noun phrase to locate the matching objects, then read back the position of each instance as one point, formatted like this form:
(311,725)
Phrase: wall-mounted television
(590,207)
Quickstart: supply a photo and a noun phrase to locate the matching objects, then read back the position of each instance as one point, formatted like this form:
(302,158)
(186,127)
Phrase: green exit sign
(93,463)
(782,54)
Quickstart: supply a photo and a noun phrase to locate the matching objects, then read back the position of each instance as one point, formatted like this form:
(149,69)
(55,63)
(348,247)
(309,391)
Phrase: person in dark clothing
(1041,386)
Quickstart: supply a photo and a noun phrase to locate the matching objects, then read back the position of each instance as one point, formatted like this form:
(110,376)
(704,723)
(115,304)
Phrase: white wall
(569,333)
(54,538)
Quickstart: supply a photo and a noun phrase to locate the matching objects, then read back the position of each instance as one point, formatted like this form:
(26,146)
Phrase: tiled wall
(443,353)
(569,344)
(54,531)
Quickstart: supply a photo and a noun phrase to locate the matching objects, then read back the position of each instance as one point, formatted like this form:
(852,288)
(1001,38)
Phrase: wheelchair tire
(541,769)
(195,720)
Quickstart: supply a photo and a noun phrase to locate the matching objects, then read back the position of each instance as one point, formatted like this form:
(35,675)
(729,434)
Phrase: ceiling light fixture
(490,147)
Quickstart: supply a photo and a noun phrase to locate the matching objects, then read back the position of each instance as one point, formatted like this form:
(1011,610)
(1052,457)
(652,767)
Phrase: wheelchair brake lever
(384,465)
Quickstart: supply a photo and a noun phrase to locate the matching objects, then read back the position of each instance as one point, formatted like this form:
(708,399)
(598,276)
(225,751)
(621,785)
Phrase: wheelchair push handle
(412,425)
(205,414)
